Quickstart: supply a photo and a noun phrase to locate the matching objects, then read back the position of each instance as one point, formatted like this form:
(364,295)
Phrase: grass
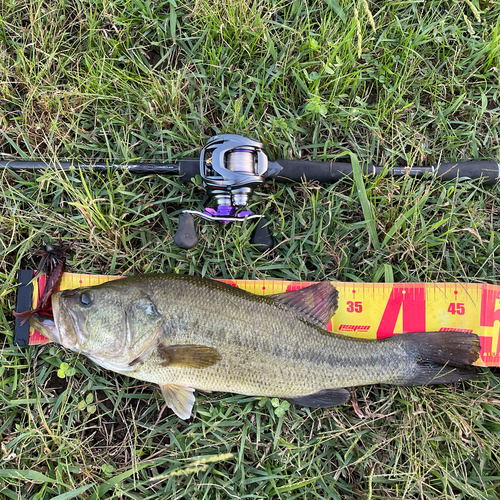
(393,82)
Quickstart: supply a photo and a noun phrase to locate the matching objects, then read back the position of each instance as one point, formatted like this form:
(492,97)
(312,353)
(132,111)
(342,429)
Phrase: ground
(394,83)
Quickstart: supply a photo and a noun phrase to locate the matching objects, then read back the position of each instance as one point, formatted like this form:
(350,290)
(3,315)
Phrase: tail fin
(441,357)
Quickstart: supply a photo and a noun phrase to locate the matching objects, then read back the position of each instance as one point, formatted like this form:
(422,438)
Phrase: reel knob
(185,236)
(261,237)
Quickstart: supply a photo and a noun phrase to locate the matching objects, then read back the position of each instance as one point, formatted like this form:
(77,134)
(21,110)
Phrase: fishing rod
(232,166)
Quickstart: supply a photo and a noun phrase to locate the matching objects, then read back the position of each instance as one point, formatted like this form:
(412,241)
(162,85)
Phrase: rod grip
(489,171)
(298,170)
(188,168)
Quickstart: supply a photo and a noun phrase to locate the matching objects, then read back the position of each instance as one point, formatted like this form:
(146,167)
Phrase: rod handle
(489,171)
(188,168)
(298,170)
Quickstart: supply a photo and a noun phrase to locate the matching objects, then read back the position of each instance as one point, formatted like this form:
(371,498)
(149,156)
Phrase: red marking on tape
(456,330)
(408,299)
(354,328)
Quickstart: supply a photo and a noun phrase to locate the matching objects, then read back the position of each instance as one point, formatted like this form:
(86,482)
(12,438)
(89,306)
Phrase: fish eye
(86,298)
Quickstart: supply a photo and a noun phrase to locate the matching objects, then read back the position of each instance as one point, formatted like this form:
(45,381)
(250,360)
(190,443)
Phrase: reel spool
(231,166)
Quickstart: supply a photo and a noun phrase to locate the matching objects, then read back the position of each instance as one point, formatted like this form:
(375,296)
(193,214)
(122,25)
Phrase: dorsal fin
(316,303)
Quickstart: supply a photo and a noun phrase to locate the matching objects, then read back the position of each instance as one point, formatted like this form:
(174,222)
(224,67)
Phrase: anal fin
(179,399)
(322,399)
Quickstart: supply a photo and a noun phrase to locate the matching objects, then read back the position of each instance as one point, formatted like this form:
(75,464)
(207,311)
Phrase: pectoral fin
(323,399)
(145,353)
(188,356)
(179,399)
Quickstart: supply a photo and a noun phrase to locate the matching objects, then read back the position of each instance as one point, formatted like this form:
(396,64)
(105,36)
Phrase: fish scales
(276,355)
(187,333)
(279,354)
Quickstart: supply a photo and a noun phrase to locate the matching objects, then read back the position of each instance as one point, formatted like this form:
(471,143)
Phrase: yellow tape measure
(377,310)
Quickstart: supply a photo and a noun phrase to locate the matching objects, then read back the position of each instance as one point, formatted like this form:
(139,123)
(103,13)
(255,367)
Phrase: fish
(187,333)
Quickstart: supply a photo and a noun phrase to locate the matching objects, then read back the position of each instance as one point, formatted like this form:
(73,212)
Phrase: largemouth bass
(186,333)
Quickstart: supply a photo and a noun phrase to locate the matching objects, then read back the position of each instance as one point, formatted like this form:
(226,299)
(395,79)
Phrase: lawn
(394,82)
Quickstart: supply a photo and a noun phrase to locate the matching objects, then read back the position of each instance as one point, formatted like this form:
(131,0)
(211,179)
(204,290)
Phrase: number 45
(458,308)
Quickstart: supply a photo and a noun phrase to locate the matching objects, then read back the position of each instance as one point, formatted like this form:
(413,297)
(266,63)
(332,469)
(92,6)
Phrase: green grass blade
(74,493)
(365,204)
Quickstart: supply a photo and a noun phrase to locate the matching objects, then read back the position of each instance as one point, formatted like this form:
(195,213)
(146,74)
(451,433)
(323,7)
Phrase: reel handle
(186,237)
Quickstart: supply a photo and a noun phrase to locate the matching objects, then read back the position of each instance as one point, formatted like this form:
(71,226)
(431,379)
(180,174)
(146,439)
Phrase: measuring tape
(372,310)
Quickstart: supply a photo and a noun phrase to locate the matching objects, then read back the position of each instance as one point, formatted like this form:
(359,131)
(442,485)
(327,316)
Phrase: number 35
(354,306)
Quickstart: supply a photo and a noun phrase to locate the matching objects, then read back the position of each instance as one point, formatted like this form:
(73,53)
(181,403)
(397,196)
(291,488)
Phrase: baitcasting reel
(231,166)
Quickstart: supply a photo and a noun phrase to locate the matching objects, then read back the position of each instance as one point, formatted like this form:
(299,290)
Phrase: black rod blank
(292,170)
(159,168)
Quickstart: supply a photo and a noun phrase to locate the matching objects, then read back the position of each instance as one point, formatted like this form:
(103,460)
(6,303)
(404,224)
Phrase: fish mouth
(46,325)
